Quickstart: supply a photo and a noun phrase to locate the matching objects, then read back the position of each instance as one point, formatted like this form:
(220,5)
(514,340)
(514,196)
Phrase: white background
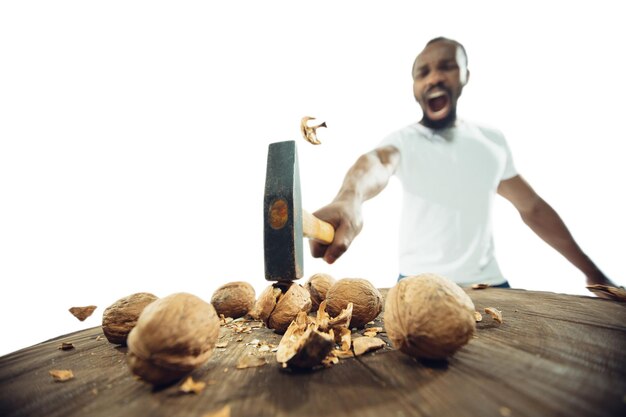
(133,137)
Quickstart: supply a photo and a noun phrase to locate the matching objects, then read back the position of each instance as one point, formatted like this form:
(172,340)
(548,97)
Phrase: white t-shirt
(450,178)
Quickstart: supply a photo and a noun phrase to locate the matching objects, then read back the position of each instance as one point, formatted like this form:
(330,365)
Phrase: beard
(441,123)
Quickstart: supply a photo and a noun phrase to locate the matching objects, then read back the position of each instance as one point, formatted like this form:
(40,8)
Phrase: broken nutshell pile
(279,304)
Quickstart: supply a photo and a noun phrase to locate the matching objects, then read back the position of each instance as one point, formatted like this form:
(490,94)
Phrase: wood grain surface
(554,355)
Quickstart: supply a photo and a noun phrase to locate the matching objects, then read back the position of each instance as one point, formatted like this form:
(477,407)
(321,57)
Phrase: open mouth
(438,103)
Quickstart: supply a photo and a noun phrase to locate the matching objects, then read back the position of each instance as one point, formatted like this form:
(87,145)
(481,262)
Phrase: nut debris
(251,361)
(608,292)
(222,412)
(309,132)
(62,375)
(372,331)
(478,316)
(189,386)
(81,313)
(66,346)
(480,286)
(495,313)
(361,345)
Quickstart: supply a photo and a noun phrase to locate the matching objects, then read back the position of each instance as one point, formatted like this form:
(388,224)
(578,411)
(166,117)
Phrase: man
(450,171)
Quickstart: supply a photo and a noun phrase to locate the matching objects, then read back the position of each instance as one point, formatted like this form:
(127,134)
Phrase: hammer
(285,223)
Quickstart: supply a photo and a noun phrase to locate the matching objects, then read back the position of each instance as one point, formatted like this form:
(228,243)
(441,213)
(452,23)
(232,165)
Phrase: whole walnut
(279,304)
(120,317)
(366,300)
(428,316)
(234,299)
(318,285)
(173,336)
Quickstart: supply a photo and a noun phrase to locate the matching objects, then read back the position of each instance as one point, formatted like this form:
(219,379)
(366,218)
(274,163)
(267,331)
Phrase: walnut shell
(120,317)
(366,299)
(279,304)
(173,336)
(302,345)
(234,299)
(429,316)
(318,285)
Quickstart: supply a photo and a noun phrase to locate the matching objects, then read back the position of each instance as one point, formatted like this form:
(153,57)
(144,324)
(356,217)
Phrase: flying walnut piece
(120,317)
(81,313)
(173,336)
(429,316)
(309,132)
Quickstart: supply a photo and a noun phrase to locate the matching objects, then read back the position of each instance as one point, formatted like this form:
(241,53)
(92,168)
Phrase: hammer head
(282,213)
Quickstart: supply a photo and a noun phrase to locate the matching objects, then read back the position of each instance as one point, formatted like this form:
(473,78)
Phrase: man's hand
(345,216)
(365,179)
(599,278)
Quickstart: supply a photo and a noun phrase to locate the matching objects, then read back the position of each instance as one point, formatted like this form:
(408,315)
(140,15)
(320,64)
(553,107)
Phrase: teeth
(435,94)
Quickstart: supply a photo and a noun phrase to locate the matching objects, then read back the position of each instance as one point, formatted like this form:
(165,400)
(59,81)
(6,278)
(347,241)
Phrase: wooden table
(554,355)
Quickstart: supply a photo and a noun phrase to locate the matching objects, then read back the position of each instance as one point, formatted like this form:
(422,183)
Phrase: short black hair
(442,39)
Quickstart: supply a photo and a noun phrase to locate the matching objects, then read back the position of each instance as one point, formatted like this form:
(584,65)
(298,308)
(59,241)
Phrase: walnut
(234,299)
(318,285)
(366,299)
(120,317)
(429,316)
(279,304)
(173,336)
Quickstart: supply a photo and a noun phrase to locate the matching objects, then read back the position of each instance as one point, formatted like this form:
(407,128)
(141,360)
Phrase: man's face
(437,82)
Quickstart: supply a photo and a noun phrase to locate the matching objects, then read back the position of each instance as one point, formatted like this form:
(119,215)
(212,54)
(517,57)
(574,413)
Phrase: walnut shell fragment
(366,300)
(173,336)
(234,299)
(81,313)
(120,317)
(608,292)
(279,304)
(495,313)
(480,286)
(302,345)
(429,316)
(309,133)
(318,285)
(61,375)
(364,344)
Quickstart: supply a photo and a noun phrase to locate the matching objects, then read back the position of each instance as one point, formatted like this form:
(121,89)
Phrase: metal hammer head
(282,213)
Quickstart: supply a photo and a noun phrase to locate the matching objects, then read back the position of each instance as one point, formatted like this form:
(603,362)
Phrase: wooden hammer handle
(317,229)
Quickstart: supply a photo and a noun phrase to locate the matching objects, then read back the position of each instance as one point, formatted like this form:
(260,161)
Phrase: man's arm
(547,224)
(368,176)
